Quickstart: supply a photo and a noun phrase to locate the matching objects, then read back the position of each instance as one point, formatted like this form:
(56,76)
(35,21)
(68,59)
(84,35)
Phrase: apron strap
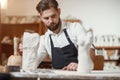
(67,36)
(51,39)
(52,45)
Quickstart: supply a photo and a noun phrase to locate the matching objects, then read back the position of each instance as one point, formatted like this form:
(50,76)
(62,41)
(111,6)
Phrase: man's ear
(40,15)
(59,11)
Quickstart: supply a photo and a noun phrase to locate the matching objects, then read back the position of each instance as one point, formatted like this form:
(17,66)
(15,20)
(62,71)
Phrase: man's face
(50,18)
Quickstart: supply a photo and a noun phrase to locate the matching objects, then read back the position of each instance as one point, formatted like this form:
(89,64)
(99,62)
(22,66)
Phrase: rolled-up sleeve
(80,33)
(83,37)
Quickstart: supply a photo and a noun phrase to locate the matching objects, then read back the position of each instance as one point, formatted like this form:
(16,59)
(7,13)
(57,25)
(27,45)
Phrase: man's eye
(53,16)
(46,18)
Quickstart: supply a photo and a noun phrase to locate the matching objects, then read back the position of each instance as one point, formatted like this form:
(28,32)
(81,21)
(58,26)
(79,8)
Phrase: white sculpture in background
(30,46)
(85,64)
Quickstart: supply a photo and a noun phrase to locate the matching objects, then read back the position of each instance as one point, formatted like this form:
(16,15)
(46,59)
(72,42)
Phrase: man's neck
(58,30)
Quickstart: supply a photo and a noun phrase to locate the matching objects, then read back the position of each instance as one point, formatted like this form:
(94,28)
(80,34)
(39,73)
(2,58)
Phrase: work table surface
(74,75)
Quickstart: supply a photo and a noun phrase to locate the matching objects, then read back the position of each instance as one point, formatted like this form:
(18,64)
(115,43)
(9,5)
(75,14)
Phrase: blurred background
(103,16)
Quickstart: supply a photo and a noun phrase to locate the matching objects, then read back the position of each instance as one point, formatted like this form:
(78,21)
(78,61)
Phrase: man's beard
(54,27)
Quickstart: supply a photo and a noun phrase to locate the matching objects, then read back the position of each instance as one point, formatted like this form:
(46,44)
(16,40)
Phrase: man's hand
(71,67)
(20,48)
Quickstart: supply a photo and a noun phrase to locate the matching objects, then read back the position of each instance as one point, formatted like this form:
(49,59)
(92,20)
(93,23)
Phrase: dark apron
(61,57)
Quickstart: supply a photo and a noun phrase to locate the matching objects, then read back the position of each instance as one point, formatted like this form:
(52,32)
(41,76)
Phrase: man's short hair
(46,4)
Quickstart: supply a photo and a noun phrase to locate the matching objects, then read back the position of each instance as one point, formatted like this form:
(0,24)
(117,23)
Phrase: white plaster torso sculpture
(30,46)
(85,64)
